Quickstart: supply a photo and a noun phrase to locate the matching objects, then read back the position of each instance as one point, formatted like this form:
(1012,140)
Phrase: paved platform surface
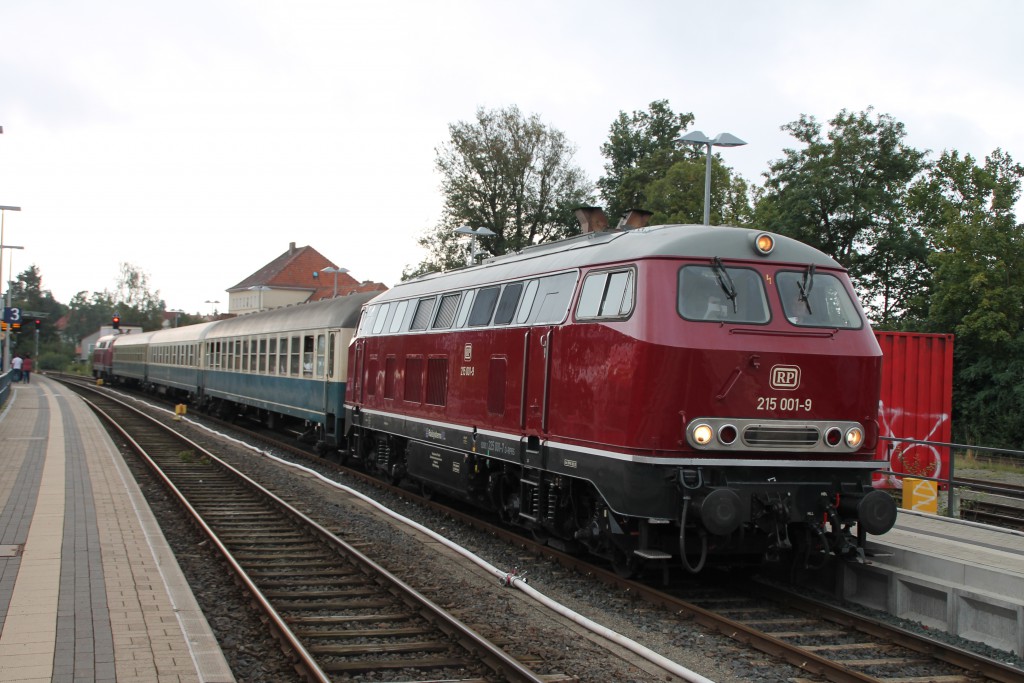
(961,577)
(89,590)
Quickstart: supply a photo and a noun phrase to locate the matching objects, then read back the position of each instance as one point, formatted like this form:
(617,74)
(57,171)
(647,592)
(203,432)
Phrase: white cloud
(196,140)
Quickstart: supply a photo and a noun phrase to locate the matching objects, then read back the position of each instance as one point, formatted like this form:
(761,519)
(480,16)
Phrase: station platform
(964,578)
(89,589)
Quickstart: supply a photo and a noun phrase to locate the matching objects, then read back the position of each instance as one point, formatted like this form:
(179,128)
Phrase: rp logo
(785,377)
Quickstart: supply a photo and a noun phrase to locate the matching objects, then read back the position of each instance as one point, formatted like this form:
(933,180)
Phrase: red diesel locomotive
(708,394)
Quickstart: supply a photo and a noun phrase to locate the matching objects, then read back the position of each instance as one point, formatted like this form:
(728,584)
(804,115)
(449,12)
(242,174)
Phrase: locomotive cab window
(608,294)
(812,299)
(720,294)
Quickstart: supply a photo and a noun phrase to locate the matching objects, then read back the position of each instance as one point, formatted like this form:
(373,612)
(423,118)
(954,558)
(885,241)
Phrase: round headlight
(702,434)
(854,437)
(727,434)
(833,436)
(764,243)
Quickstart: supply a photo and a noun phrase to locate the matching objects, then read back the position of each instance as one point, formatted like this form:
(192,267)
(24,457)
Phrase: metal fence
(5,386)
(1008,456)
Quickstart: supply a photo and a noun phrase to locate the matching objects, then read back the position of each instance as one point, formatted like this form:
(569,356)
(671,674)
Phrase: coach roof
(342,312)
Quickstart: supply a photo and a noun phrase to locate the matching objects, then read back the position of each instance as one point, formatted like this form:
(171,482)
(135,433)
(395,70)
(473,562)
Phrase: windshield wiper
(724,281)
(805,287)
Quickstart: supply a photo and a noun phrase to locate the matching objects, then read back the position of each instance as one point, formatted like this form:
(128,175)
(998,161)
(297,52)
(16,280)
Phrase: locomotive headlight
(855,437)
(764,243)
(702,434)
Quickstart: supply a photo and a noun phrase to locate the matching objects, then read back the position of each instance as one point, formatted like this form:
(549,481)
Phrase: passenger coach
(289,363)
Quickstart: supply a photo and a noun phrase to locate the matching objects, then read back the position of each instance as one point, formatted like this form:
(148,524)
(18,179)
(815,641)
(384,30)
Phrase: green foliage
(510,174)
(648,168)
(640,150)
(846,194)
(977,261)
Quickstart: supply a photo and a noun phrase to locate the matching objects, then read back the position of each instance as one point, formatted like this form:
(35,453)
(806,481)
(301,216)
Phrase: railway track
(334,610)
(991,511)
(824,641)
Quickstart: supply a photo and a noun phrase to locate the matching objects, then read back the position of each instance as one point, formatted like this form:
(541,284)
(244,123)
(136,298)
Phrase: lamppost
(721,140)
(336,271)
(214,303)
(7,334)
(479,232)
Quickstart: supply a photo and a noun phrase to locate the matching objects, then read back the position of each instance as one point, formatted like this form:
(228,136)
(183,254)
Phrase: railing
(1013,456)
(5,386)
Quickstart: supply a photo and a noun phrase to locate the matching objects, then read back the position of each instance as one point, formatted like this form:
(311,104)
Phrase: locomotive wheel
(626,565)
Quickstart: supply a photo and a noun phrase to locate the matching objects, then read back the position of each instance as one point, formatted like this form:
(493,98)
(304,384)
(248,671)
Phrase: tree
(640,149)
(135,302)
(510,174)
(846,194)
(648,168)
(967,212)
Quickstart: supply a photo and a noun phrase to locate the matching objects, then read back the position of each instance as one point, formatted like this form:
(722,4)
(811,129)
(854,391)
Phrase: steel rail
(497,658)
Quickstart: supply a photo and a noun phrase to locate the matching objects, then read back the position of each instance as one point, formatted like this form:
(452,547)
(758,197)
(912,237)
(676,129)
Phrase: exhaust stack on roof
(592,219)
(635,218)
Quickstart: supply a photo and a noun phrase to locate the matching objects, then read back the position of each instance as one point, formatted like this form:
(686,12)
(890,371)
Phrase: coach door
(355,374)
(534,406)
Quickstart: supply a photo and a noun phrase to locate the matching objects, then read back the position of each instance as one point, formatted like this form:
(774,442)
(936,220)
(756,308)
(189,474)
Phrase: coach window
(263,355)
(245,355)
(607,294)
(296,357)
(446,311)
(238,355)
(252,355)
(424,311)
(272,355)
(378,321)
(399,317)
(282,356)
(483,307)
(307,355)
(722,294)
(320,351)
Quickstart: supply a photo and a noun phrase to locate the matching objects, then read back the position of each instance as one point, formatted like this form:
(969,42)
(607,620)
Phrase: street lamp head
(696,137)
(727,140)
(332,269)
(10,208)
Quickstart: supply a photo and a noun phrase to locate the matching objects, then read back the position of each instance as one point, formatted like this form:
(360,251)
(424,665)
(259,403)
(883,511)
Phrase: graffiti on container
(912,459)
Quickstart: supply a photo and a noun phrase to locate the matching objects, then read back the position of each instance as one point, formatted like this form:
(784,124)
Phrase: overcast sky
(195,139)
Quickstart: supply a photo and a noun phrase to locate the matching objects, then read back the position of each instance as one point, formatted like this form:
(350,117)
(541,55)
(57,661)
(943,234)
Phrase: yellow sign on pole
(920,495)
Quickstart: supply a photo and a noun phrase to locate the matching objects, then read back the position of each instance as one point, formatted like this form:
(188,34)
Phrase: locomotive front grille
(781,436)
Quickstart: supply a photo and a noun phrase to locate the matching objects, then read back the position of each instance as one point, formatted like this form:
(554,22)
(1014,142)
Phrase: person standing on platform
(26,368)
(16,368)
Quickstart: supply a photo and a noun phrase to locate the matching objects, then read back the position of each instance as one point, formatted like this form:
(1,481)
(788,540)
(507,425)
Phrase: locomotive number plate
(788,404)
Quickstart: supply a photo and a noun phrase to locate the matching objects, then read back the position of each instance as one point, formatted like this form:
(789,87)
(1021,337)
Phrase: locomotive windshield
(816,300)
(720,294)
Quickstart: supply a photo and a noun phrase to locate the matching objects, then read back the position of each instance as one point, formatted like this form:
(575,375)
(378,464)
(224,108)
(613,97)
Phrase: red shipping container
(916,403)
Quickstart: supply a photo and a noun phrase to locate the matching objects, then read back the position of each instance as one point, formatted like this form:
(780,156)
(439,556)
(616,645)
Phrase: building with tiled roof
(294,277)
